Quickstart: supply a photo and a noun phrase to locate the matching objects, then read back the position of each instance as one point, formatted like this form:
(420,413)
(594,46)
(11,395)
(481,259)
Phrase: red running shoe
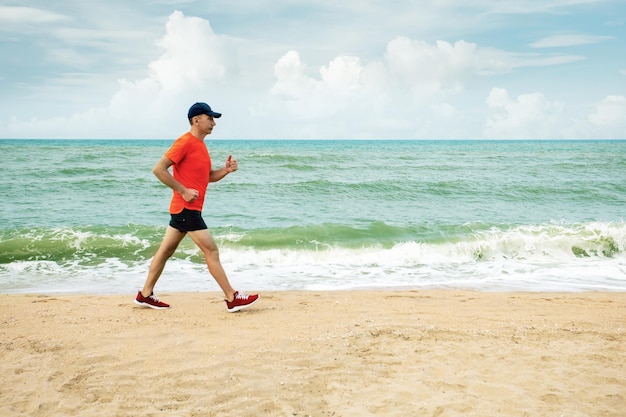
(241,301)
(150,301)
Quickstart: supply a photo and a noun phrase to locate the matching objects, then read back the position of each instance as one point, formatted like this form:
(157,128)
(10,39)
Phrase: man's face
(206,123)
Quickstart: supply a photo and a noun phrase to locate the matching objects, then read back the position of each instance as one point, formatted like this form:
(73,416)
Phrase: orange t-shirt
(192,168)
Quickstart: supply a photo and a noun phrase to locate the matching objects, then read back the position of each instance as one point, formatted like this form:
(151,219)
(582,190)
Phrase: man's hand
(189,195)
(231,164)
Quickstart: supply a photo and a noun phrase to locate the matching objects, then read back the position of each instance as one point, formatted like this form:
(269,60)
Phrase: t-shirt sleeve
(177,151)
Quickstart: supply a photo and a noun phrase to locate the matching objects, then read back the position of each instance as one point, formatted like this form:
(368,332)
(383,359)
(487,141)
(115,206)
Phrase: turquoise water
(86,216)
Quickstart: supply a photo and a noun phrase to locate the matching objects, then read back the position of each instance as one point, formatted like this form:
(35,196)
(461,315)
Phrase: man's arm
(161,171)
(218,174)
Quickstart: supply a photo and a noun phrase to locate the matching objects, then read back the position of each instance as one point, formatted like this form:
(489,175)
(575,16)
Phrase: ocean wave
(548,257)
(84,244)
(419,244)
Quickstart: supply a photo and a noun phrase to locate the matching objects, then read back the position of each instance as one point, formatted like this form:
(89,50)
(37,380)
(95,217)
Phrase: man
(192,172)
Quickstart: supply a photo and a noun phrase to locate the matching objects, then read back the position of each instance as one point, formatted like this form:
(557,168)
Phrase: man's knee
(211,251)
(169,251)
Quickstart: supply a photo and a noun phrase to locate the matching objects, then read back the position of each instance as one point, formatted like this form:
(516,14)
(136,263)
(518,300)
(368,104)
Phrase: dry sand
(358,353)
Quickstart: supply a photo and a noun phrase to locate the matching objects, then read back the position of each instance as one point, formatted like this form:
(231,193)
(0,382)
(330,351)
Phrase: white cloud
(342,84)
(533,116)
(441,67)
(192,59)
(341,101)
(610,117)
(192,63)
(289,72)
(529,116)
(445,111)
(27,15)
(543,60)
(386,98)
(95,38)
(557,41)
(407,88)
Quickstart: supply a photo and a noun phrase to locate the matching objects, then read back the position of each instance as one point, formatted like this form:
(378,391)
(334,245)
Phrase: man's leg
(168,246)
(204,240)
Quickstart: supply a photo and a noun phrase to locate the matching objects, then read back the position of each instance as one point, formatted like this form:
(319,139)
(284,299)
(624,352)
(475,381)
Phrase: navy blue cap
(202,108)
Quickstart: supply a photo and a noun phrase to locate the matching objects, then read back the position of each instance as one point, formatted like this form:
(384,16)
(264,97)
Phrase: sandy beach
(357,353)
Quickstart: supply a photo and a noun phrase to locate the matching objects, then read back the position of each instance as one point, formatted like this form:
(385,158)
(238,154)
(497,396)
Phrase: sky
(314,69)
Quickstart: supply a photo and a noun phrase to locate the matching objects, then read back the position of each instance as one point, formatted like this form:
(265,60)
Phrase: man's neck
(194,131)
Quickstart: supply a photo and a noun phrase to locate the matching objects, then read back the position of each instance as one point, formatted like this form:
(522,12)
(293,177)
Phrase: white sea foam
(519,266)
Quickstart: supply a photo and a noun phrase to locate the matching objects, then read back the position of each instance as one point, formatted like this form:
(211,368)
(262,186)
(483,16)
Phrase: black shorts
(188,221)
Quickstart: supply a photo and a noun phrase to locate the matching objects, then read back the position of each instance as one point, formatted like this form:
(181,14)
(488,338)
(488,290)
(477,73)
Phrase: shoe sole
(238,308)
(139,303)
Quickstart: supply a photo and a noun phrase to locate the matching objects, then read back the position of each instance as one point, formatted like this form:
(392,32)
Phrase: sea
(86,216)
